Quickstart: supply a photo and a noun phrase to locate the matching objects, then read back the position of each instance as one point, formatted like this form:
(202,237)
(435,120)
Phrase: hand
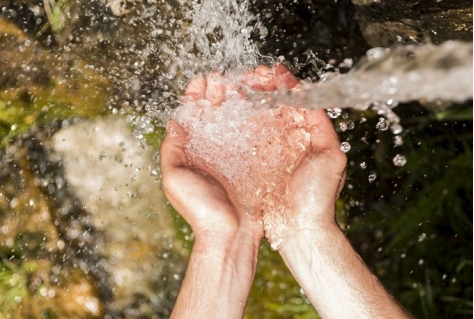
(224,257)
(199,198)
(319,177)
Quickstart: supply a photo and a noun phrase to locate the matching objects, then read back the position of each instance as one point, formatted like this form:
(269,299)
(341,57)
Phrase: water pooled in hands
(252,152)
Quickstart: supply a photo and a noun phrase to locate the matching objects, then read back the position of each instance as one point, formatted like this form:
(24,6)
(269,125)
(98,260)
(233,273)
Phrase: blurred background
(85,89)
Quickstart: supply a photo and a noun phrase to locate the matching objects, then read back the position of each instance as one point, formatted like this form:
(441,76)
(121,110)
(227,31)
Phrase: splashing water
(200,36)
(425,73)
(218,38)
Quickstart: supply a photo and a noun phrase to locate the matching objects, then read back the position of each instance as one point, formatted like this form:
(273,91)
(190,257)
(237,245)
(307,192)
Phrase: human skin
(223,261)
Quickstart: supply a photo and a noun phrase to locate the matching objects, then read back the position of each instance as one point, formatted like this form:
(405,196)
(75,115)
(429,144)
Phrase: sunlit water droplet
(396,129)
(382,124)
(345,147)
(398,140)
(399,160)
(350,125)
(363,165)
(372,177)
(343,126)
(334,113)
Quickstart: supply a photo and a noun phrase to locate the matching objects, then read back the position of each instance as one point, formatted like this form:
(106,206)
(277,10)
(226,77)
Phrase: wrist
(237,245)
(221,268)
(280,228)
(312,239)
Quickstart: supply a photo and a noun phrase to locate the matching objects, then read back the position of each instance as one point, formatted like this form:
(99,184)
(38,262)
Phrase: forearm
(218,278)
(334,277)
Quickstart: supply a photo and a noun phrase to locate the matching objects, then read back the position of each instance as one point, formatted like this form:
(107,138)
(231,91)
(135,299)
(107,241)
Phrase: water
(425,73)
(251,152)
(217,39)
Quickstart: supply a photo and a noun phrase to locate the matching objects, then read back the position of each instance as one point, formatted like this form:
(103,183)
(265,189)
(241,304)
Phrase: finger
(215,89)
(283,78)
(250,81)
(264,77)
(260,79)
(196,89)
(172,148)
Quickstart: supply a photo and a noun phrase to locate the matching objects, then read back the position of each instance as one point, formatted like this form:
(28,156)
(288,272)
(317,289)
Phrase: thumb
(283,78)
(172,147)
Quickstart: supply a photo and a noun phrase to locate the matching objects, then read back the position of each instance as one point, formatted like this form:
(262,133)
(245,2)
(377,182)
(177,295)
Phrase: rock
(40,264)
(117,182)
(385,23)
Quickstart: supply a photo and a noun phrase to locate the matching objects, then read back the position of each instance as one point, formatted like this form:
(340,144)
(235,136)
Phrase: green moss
(21,108)
(14,285)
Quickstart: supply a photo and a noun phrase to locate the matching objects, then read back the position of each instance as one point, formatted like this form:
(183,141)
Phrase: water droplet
(343,126)
(60,244)
(263,31)
(399,160)
(334,113)
(372,177)
(422,237)
(382,124)
(396,128)
(398,140)
(350,125)
(345,147)
(363,165)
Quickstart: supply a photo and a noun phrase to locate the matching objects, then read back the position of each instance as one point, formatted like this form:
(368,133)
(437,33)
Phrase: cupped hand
(199,198)
(318,179)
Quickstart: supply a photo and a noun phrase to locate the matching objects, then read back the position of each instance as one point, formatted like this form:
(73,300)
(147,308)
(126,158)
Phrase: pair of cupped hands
(209,204)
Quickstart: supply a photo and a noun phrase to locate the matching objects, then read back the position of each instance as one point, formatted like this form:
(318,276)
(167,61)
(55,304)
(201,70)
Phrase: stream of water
(425,73)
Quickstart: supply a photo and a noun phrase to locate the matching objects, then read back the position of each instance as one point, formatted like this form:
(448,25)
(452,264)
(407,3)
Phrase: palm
(198,196)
